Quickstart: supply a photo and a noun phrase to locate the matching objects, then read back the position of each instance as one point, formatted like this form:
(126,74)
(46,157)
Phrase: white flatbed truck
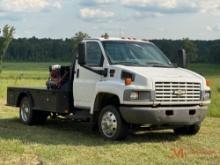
(116,85)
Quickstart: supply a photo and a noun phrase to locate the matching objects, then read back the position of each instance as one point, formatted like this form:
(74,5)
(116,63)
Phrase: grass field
(66,142)
(212,73)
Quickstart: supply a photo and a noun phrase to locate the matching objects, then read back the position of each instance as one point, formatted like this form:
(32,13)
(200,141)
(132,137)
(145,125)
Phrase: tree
(5,40)
(215,52)
(51,50)
(105,35)
(191,50)
(78,38)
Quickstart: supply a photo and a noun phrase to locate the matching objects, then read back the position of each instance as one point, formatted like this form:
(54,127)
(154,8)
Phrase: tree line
(198,51)
(45,50)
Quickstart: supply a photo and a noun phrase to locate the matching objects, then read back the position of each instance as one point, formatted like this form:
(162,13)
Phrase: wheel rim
(25,111)
(109,124)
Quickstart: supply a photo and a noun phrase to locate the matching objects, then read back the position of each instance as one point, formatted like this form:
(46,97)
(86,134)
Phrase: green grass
(66,142)
(212,73)
(206,69)
(26,70)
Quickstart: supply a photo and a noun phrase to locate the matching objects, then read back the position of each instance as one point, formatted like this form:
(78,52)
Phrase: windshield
(135,54)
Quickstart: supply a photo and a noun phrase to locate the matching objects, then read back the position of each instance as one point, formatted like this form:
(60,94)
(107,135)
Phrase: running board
(82,116)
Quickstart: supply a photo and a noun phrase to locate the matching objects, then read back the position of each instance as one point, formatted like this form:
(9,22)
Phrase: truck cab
(121,84)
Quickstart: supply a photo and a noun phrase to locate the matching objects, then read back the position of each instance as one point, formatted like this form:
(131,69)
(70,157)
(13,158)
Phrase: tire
(110,124)
(188,130)
(29,116)
(26,113)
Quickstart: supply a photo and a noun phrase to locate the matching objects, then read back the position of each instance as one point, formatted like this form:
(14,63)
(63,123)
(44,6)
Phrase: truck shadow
(55,132)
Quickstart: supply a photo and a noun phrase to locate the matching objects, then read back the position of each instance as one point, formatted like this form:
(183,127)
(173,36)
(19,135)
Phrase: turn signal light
(208,83)
(128,81)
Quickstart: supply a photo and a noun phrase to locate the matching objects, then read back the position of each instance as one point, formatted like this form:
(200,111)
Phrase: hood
(159,73)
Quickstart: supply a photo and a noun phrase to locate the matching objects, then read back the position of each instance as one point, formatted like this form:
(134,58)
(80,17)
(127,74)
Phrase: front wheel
(188,130)
(111,125)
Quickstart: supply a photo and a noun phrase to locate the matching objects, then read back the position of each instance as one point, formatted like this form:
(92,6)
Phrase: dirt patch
(24,159)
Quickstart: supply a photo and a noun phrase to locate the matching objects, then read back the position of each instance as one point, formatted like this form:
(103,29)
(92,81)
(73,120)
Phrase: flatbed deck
(51,100)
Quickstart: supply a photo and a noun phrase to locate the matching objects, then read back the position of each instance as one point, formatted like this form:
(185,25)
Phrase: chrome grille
(177,92)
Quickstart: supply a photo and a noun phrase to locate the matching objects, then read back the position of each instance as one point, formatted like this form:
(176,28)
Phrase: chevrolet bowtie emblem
(179,92)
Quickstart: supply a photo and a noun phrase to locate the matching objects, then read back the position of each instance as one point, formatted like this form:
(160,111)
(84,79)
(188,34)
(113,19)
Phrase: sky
(148,19)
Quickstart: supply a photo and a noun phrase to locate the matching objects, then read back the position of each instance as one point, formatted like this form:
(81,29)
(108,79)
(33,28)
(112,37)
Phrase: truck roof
(129,39)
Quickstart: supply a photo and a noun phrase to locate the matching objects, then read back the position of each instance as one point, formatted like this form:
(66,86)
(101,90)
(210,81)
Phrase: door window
(94,54)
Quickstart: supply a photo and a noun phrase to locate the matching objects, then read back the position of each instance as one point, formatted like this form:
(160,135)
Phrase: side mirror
(182,58)
(82,54)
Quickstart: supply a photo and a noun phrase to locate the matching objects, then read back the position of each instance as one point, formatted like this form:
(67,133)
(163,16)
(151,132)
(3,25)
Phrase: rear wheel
(188,130)
(26,112)
(111,125)
(28,116)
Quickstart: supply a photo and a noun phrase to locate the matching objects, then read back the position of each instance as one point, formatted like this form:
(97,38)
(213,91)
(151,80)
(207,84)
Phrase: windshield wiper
(126,63)
(155,64)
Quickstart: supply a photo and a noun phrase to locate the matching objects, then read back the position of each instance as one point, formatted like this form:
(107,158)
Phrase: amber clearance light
(128,81)
(208,83)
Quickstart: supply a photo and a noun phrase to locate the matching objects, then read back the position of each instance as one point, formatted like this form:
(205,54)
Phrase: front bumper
(161,116)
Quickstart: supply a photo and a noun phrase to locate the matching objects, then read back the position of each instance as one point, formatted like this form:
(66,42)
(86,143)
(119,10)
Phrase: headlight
(131,95)
(134,96)
(206,95)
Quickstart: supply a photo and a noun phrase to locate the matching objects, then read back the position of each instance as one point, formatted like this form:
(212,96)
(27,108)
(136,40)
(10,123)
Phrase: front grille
(177,92)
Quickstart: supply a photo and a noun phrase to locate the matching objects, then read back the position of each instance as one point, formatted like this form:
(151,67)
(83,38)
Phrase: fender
(22,95)
(110,87)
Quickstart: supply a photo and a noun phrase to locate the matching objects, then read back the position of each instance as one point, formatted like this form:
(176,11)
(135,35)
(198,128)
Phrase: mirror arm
(103,72)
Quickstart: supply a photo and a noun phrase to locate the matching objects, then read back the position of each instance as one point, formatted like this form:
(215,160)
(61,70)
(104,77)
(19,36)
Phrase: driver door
(87,76)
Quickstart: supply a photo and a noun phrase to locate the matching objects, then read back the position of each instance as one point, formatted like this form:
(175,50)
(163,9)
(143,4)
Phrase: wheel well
(20,97)
(103,99)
